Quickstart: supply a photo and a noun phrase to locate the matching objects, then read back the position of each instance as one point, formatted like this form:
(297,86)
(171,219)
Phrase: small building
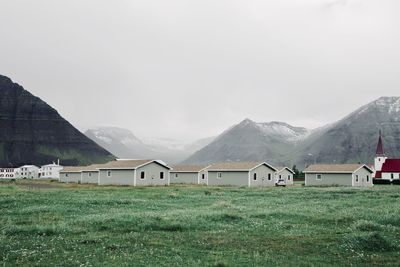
(7,173)
(386,169)
(390,170)
(90,174)
(284,175)
(250,174)
(71,174)
(27,172)
(134,173)
(338,175)
(50,171)
(189,174)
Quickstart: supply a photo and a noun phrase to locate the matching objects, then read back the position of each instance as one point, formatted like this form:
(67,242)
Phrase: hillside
(33,132)
(251,141)
(351,139)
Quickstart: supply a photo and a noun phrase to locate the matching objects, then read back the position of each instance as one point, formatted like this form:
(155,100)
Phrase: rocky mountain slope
(124,144)
(33,132)
(352,139)
(251,141)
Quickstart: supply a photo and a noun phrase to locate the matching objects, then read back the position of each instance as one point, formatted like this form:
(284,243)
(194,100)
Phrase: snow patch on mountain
(284,131)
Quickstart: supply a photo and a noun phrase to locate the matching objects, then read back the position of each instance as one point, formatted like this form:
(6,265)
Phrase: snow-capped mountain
(124,144)
(250,141)
(351,139)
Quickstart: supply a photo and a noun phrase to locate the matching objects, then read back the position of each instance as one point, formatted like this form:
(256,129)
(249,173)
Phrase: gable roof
(70,169)
(189,168)
(92,168)
(336,168)
(391,165)
(237,166)
(131,164)
(279,169)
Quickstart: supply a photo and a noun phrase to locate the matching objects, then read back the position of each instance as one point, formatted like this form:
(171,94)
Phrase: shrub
(371,241)
(366,226)
(207,193)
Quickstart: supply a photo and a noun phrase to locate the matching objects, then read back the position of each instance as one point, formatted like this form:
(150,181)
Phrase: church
(386,169)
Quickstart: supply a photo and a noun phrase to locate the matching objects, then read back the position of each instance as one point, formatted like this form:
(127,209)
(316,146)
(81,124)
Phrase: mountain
(124,144)
(251,141)
(354,138)
(33,132)
(351,139)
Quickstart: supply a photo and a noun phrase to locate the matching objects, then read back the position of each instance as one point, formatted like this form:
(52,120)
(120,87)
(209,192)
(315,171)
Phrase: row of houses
(249,174)
(49,171)
(156,172)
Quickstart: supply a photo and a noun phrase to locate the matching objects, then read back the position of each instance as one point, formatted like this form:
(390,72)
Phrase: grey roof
(336,168)
(188,168)
(71,169)
(129,164)
(281,168)
(237,166)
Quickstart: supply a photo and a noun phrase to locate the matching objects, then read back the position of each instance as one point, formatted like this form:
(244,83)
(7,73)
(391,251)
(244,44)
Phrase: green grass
(85,225)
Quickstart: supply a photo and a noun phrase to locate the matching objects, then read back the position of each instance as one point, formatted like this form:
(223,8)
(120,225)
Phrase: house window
(219,175)
(108,173)
(176,175)
(288,177)
(142,175)
(66,175)
(269,177)
(319,176)
(255,176)
(162,175)
(367,178)
(203,176)
(392,175)
(90,174)
(357,178)
(280,176)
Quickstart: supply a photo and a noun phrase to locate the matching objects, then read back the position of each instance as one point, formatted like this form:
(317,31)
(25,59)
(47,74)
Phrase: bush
(380,181)
(371,241)
(207,193)
(366,226)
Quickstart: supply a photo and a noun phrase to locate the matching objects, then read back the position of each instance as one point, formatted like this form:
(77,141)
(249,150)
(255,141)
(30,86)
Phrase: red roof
(378,174)
(391,165)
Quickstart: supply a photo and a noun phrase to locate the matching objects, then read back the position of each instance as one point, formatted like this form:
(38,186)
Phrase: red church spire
(379,148)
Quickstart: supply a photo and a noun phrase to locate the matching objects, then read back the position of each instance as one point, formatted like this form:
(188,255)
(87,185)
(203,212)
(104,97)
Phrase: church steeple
(379,149)
(380,154)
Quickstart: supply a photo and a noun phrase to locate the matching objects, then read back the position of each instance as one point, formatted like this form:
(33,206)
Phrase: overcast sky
(189,69)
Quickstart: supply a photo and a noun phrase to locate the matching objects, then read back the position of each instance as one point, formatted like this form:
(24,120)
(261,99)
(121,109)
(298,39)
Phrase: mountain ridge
(33,132)
(350,139)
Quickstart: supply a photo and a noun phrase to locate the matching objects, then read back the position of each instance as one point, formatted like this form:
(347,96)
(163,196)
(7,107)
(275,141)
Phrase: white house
(338,175)
(248,174)
(134,173)
(284,176)
(7,173)
(27,172)
(189,174)
(50,171)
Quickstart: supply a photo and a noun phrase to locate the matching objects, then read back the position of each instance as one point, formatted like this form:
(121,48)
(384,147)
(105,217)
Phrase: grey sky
(189,69)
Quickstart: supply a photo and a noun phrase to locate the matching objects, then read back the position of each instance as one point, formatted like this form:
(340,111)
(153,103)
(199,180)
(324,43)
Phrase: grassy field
(46,223)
